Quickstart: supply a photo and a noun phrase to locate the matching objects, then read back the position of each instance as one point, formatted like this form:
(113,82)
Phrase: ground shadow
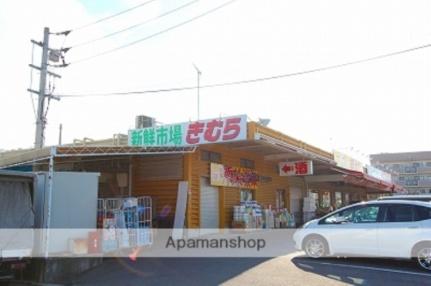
(362,271)
(167,271)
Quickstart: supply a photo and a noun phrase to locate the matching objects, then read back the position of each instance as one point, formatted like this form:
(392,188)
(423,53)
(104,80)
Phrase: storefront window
(371,197)
(246,195)
(210,156)
(326,200)
(315,196)
(280,199)
(346,199)
(245,163)
(338,200)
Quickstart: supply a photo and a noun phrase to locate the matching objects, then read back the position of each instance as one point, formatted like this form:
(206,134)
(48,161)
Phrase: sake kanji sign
(209,131)
(298,168)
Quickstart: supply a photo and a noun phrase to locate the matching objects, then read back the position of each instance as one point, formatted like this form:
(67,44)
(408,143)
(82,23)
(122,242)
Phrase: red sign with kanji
(297,168)
(216,130)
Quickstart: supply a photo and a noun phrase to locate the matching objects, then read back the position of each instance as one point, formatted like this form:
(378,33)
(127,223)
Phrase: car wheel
(423,256)
(315,247)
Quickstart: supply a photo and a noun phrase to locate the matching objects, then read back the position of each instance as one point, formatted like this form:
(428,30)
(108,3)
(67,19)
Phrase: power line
(247,81)
(155,34)
(130,92)
(135,26)
(112,16)
(67,32)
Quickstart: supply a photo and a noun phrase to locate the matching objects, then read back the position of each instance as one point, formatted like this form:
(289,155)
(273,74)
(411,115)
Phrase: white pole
(199,73)
(49,195)
(40,122)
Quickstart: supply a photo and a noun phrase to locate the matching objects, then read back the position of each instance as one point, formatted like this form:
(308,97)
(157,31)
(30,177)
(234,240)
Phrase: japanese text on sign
(298,168)
(191,133)
(227,176)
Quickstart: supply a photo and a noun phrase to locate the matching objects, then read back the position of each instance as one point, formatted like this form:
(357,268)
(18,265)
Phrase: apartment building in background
(411,170)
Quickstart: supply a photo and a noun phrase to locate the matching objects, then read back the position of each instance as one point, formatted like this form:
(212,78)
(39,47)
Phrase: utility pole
(60,134)
(199,76)
(41,116)
(40,121)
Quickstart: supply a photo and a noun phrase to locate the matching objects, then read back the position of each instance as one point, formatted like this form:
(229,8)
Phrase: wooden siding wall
(156,168)
(162,190)
(228,197)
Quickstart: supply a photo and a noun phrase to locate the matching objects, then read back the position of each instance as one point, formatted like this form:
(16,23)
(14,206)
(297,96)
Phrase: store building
(226,162)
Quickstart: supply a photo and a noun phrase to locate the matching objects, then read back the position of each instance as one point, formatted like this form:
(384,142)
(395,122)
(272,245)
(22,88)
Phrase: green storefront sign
(166,135)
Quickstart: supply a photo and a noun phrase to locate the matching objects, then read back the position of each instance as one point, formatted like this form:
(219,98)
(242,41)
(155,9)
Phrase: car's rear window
(400,213)
(423,213)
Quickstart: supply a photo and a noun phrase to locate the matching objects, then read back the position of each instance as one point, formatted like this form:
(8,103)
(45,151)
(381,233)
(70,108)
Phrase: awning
(363,180)
(333,174)
(25,157)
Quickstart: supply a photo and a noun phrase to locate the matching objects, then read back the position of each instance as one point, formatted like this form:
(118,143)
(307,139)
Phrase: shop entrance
(296,201)
(209,205)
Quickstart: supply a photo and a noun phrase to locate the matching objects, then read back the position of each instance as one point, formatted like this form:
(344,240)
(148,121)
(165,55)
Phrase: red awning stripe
(363,180)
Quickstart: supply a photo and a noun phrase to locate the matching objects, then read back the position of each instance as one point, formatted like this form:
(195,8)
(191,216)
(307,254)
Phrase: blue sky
(102,6)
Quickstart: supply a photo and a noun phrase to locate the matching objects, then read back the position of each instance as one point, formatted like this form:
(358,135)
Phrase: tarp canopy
(16,213)
(16,210)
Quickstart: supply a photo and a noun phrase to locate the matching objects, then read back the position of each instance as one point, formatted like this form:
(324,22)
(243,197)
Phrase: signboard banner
(347,162)
(226,176)
(378,174)
(209,131)
(297,168)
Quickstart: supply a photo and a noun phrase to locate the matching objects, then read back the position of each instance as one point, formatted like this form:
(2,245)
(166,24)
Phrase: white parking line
(369,268)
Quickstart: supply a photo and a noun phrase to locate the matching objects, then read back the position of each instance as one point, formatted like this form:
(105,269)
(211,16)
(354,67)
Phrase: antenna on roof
(264,121)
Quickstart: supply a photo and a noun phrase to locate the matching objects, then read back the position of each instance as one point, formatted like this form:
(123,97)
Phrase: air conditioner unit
(143,121)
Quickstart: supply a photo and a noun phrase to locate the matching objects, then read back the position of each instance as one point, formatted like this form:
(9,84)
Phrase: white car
(393,229)
(422,198)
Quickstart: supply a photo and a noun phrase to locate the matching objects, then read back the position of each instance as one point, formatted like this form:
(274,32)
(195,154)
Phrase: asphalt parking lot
(292,269)
(362,271)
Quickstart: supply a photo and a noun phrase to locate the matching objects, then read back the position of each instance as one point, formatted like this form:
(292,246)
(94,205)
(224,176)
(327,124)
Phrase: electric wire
(154,35)
(112,16)
(67,32)
(63,43)
(261,79)
(135,25)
